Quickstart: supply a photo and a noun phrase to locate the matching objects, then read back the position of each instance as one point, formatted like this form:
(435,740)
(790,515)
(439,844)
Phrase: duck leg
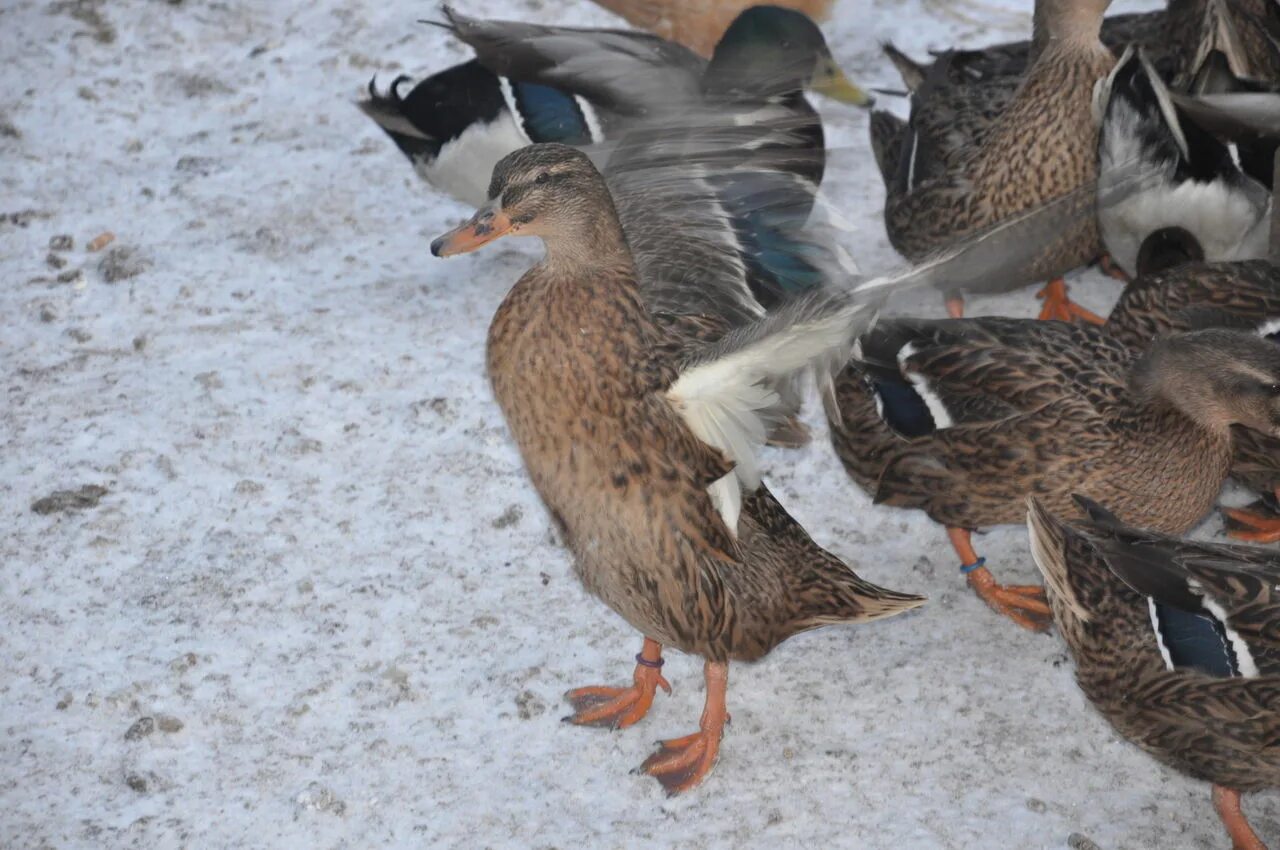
(1058,306)
(1025,604)
(1227,803)
(1255,523)
(682,763)
(1110,269)
(955,306)
(618,708)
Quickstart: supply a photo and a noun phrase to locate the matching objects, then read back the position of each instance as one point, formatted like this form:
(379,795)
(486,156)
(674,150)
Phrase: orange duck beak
(488,224)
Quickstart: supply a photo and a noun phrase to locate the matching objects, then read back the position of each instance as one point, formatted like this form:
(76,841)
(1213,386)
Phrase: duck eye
(542,178)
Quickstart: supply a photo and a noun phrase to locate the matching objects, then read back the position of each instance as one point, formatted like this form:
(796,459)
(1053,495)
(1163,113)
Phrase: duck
(963,418)
(962,165)
(699,26)
(1195,181)
(638,432)
(1202,45)
(1178,290)
(1173,643)
(532,83)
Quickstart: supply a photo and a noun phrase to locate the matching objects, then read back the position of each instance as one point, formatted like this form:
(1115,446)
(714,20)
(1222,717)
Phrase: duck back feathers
(1174,641)
(1018,407)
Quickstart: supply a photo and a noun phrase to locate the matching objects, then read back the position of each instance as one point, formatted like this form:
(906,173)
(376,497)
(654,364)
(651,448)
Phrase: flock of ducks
(692,282)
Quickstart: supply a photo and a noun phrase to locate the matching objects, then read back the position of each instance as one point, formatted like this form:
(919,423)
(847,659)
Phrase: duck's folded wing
(931,375)
(1228,591)
(628,71)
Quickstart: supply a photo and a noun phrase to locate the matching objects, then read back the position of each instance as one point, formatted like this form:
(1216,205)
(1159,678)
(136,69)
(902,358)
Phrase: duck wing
(932,375)
(627,72)
(1215,607)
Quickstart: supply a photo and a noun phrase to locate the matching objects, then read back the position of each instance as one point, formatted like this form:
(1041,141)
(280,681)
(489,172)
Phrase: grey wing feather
(633,72)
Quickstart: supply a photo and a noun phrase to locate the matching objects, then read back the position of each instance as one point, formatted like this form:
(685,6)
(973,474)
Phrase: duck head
(548,190)
(1217,377)
(1168,248)
(775,51)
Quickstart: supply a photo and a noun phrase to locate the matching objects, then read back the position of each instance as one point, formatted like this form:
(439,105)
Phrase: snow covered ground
(318,604)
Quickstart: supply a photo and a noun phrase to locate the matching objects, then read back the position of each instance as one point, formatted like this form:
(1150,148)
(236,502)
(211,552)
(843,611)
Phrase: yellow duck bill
(831,81)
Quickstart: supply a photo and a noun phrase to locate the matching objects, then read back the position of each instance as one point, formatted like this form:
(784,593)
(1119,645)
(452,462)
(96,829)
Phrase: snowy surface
(318,567)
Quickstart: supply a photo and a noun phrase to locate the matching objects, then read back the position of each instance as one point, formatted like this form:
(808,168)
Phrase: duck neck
(593,242)
(1072,25)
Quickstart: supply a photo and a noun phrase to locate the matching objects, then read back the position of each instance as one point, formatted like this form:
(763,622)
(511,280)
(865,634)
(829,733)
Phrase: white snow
(319,552)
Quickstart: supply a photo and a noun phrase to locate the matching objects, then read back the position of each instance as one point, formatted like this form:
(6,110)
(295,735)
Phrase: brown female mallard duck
(1192,42)
(960,167)
(1175,643)
(1177,290)
(964,418)
(637,434)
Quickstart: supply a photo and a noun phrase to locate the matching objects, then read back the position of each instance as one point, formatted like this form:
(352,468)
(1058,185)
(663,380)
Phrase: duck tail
(832,593)
(387,110)
(911,71)
(1049,550)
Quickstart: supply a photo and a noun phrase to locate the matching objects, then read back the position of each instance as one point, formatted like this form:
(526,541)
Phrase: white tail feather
(726,396)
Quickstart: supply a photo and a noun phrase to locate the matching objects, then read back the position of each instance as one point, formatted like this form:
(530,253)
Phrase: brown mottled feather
(1241,295)
(580,369)
(1224,731)
(1038,408)
(975,110)
(973,166)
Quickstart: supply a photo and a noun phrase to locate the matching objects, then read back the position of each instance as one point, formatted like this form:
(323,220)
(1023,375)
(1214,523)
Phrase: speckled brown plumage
(638,435)
(1172,40)
(964,419)
(1044,409)
(1220,730)
(1243,295)
(579,367)
(966,171)
(965,98)
(1196,295)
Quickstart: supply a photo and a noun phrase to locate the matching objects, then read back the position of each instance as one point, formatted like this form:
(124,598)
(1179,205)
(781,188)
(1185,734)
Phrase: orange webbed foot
(1025,604)
(1057,306)
(618,708)
(1256,523)
(682,763)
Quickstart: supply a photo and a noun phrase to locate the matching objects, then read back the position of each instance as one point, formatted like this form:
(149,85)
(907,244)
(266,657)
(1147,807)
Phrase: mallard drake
(1175,644)
(961,167)
(637,430)
(532,83)
(1195,183)
(699,24)
(964,418)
